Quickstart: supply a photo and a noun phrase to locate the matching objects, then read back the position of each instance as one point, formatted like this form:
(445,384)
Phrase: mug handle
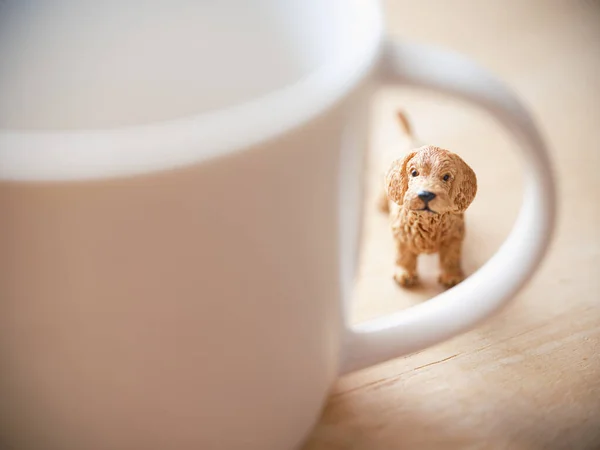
(487,290)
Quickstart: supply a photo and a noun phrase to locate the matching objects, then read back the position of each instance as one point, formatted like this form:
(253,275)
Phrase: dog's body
(426,193)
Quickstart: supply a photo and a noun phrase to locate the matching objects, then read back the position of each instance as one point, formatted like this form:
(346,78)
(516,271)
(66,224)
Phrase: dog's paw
(404,278)
(449,280)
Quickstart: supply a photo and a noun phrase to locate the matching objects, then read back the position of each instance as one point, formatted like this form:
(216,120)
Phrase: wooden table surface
(530,377)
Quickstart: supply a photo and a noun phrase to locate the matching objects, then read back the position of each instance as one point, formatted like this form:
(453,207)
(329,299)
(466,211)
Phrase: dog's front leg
(450,265)
(406,266)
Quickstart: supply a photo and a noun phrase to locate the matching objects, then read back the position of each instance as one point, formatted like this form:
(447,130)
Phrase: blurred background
(530,378)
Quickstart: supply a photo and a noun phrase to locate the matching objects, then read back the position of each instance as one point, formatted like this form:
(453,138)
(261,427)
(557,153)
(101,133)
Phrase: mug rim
(58,155)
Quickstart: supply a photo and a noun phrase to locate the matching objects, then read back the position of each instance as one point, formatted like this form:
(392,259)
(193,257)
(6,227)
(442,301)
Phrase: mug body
(192,306)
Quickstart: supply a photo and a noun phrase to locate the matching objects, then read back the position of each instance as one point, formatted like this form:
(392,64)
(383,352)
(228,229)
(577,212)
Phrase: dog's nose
(426,196)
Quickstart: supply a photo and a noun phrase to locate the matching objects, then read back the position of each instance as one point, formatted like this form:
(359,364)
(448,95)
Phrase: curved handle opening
(491,287)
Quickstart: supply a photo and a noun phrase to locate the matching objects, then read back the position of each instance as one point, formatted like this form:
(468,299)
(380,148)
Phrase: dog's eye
(446,177)
(414,173)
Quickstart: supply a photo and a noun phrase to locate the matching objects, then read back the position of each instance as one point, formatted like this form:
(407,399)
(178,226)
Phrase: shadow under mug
(178,304)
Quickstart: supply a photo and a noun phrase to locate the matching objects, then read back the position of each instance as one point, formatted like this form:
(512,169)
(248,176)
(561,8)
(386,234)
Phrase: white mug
(179,282)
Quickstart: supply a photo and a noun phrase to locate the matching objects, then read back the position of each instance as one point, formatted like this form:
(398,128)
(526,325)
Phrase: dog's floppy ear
(396,181)
(466,186)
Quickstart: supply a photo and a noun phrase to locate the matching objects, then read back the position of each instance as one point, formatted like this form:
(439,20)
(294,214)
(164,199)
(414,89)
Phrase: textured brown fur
(439,229)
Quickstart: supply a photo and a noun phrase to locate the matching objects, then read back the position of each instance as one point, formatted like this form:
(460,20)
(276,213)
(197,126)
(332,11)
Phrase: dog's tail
(405,124)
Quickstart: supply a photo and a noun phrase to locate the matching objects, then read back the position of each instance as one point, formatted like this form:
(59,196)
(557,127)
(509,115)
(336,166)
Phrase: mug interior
(315,52)
(69,65)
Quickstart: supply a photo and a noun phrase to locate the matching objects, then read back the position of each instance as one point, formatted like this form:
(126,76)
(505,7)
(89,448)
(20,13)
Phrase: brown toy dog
(428,191)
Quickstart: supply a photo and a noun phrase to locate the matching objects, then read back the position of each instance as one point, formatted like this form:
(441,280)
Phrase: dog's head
(432,180)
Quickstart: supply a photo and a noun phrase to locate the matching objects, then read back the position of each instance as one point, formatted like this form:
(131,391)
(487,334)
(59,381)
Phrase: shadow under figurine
(428,191)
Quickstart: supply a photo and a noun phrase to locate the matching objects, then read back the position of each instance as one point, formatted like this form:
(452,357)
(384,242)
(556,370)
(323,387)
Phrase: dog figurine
(426,193)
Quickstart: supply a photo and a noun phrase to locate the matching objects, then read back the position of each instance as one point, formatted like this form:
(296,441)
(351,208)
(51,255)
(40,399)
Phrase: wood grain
(529,378)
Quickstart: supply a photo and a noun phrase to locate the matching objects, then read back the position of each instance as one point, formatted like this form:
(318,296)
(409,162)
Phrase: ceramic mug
(180,284)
